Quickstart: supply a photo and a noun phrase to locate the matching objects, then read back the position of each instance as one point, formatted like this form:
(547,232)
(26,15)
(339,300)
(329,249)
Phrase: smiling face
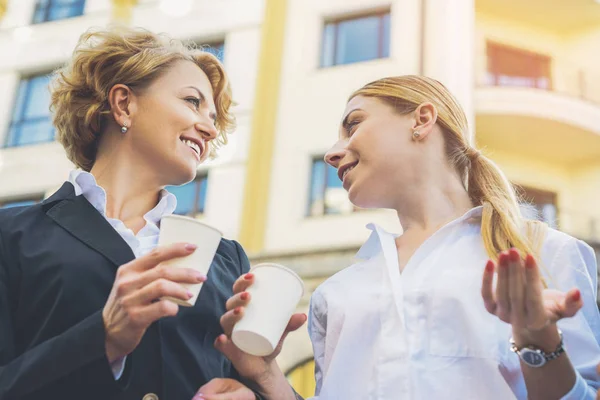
(173,122)
(375,155)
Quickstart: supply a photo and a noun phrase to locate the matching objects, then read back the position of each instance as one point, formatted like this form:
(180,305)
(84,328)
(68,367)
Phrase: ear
(122,103)
(425,117)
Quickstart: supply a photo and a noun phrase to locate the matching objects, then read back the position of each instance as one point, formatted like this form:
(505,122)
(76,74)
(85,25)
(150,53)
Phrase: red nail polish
(489,267)
(577,296)
(529,261)
(502,259)
(244,296)
(237,311)
(513,255)
(248,276)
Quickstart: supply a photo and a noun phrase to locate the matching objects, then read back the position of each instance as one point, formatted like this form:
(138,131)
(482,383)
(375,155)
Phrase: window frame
(12,137)
(336,21)
(56,4)
(309,214)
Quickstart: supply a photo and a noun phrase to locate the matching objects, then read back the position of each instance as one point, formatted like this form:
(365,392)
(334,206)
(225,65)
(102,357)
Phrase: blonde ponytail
(502,225)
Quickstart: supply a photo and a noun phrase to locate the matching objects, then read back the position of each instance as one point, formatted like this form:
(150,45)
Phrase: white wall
(38,170)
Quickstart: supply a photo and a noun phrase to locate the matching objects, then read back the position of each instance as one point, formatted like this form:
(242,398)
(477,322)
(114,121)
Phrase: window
(191,197)
(52,10)
(327,195)
(357,39)
(31,122)
(217,49)
(510,66)
(29,201)
(543,204)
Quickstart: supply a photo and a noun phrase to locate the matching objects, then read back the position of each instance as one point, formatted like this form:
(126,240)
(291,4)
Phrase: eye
(193,100)
(351,126)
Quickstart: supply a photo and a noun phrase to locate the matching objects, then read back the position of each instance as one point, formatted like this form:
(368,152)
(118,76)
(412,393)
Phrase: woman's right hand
(136,299)
(263,371)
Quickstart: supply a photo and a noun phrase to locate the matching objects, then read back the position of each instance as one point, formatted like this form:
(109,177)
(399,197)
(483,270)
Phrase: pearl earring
(124,128)
(416,134)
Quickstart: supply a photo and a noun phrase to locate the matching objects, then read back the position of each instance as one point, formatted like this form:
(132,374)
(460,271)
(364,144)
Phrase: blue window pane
(186,197)
(38,98)
(385,45)
(20,203)
(51,10)
(333,181)
(327,58)
(203,183)
(191,197)
(358,40)
(317,181)
(218,50)
(31,132)
(20,101)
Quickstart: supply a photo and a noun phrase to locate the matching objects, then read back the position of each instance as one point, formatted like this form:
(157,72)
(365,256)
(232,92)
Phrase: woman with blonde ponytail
(471,301)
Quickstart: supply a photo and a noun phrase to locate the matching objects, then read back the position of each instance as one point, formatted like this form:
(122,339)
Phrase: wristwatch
(535,357)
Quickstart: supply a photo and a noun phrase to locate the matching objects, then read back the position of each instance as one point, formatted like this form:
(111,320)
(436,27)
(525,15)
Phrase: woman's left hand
(224,389)
(520,299)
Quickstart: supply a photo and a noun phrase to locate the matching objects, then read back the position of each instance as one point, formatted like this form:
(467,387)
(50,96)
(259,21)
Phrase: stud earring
(124,128)
(416,135)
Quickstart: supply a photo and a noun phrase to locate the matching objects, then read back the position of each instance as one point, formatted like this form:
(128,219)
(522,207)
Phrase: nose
(335,155)
(207,130)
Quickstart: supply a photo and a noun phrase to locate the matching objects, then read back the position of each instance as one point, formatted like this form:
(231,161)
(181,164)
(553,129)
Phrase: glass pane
(18,203)
(316,205)
(19,101)
(385,45)
(358,40)
(203,184)
(186,196)
(40,11)
(38,98)
(217,49)
(58,11)
(328,45)
(32,132)
(333,181)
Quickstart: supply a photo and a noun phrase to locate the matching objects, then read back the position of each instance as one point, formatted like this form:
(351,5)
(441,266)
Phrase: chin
(181,173)
(364,198)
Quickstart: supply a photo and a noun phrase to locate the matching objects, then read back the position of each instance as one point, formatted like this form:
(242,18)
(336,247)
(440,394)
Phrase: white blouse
(425,334)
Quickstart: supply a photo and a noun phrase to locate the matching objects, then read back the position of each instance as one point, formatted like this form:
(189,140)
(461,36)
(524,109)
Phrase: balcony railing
(567,79)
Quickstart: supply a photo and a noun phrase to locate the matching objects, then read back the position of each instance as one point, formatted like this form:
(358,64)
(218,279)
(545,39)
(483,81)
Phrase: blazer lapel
(77,216)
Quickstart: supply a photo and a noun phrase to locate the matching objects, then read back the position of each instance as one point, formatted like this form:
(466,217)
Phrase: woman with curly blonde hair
(82,308)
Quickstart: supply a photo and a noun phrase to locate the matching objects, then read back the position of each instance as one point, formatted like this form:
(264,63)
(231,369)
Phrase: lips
(196,145)
(345,169)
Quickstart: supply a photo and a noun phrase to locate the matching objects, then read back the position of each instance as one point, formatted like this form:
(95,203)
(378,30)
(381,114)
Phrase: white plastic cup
(178,229)
(275,293)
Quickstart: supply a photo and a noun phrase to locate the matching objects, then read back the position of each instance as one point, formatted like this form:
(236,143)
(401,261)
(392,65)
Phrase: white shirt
(140,244)
(425,334)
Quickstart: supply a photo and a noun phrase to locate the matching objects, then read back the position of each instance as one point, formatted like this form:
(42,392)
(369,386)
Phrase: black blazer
(58,261)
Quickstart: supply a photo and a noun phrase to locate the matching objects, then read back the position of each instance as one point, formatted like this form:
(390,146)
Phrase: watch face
(533,358)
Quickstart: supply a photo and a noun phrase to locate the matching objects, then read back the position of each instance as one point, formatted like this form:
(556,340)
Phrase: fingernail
(489,267)
(248,276)
(237,311)
(502,259)
(190,247)
(190,294)
(577,296)
(244,296)
(200,277)
(198,397)
(529,261)
(513,255)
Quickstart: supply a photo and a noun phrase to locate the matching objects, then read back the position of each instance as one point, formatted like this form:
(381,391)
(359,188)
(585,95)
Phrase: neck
(432,203)
(130,185)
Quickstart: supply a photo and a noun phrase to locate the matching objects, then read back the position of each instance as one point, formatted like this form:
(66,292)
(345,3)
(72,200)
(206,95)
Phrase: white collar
(85,184)
(373,244)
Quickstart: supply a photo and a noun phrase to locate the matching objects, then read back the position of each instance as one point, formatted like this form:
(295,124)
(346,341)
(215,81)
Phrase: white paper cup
(178,229)
(275,294)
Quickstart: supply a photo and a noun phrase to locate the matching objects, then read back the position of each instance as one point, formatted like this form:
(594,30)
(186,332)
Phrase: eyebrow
(345,121)
(212,114)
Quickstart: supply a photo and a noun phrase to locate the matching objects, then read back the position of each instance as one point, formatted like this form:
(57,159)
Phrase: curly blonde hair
(133,57)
